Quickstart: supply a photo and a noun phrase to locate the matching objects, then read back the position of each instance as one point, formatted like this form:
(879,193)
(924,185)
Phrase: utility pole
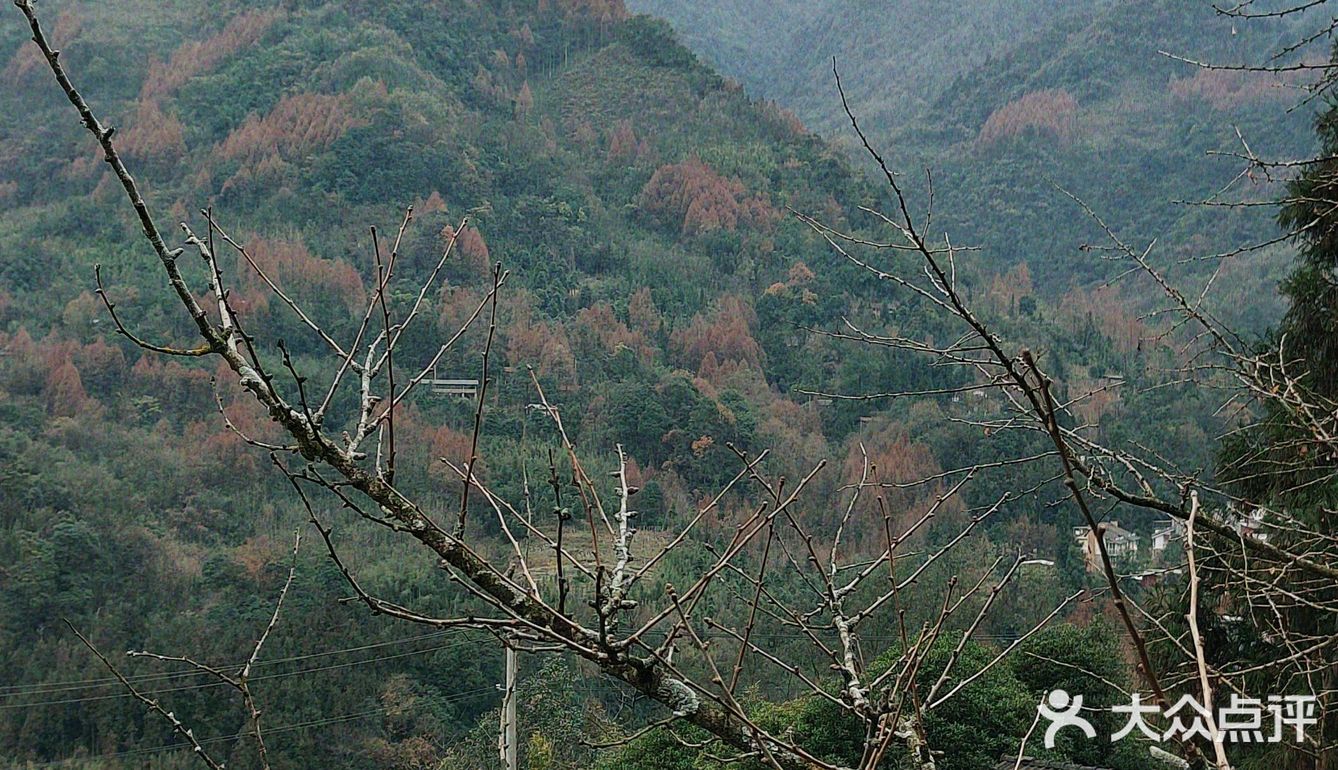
(506,738)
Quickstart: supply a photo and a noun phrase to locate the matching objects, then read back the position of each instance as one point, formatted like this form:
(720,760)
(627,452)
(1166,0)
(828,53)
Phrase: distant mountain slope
(319,120)
(897,57)
(636,196)
(1008,99)
(1092,107)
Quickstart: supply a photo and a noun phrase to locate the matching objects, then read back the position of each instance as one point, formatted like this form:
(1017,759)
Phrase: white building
(1120,542)
(1162,538)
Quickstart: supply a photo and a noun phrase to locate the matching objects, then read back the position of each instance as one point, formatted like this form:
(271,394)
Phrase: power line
(454,698)
(205,685)
(50,687)
(45,688)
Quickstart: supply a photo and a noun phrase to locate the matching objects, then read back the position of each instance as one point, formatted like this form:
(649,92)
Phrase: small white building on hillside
(1120,542)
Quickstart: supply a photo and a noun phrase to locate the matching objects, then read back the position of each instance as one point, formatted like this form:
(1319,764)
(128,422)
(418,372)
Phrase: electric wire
(453,698)
(264,677)
(47,687)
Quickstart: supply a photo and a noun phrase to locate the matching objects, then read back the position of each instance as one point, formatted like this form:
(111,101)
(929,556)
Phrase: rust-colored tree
(1052,112)
(694,199)
(65,395)
(642,313)
(726,334)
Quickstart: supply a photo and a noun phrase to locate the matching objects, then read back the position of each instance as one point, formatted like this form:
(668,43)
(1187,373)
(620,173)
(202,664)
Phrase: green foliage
(1085,661)
(926,79)
(554,713)
(56,575)
(985,720)
(1309,326)
(129,509)
(657,750)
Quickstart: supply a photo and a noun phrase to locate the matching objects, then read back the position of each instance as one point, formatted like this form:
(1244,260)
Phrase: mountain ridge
(1080,100)
(661,293)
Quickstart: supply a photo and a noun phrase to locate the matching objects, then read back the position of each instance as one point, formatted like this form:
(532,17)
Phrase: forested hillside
(900,56)
(661,290)
(1013,103)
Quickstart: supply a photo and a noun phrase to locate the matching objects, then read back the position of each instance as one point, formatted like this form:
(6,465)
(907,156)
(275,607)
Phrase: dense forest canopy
(1007,99)
(603,226)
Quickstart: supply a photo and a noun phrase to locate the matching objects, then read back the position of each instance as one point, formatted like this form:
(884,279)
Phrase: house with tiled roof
(1120,543)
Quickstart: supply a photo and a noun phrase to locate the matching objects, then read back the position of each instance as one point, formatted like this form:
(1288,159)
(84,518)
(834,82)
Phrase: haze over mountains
(898,56)
(1006,100)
